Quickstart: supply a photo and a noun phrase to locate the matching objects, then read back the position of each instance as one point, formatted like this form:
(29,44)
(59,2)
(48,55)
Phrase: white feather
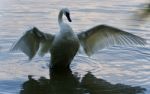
(29,43)
(103,36)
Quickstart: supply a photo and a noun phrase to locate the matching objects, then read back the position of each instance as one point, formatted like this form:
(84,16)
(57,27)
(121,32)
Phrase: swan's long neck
(63,26)
(60,20)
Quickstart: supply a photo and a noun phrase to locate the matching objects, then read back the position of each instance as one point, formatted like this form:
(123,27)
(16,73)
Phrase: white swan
(64,46)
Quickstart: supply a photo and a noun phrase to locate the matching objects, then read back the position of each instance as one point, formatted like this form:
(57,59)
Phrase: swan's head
(66,12)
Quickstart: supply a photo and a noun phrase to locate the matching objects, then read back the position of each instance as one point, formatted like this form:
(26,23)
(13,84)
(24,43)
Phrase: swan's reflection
(68,83)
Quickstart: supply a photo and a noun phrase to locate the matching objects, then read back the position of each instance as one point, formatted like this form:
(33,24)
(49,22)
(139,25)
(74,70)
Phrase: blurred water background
(130,66)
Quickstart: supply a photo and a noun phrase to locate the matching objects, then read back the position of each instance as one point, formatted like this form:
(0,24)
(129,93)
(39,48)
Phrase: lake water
(128,66)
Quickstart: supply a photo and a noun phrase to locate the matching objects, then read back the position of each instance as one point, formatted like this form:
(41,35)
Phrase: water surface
(129,66)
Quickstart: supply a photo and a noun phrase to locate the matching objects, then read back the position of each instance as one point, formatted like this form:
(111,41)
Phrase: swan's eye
(67,14)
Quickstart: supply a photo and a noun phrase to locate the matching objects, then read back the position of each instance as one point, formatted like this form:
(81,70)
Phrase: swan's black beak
(68,17)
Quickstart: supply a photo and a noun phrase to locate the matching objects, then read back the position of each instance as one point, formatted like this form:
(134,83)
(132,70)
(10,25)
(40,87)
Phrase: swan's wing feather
(30,42)
(103,36)
(45,44)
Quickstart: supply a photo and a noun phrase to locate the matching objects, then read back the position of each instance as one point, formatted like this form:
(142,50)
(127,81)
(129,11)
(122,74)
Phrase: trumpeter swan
(64,45)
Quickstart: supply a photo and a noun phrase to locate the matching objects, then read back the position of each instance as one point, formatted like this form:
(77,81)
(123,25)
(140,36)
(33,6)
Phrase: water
(128,66)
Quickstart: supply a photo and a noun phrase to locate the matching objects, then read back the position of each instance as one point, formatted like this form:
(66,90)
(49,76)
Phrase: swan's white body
(64,45)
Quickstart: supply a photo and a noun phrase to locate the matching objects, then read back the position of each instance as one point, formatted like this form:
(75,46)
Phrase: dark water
(127,66)
(67,83)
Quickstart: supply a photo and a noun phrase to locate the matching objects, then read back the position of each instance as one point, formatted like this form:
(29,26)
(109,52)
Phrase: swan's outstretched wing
(32,40)
(103,36)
